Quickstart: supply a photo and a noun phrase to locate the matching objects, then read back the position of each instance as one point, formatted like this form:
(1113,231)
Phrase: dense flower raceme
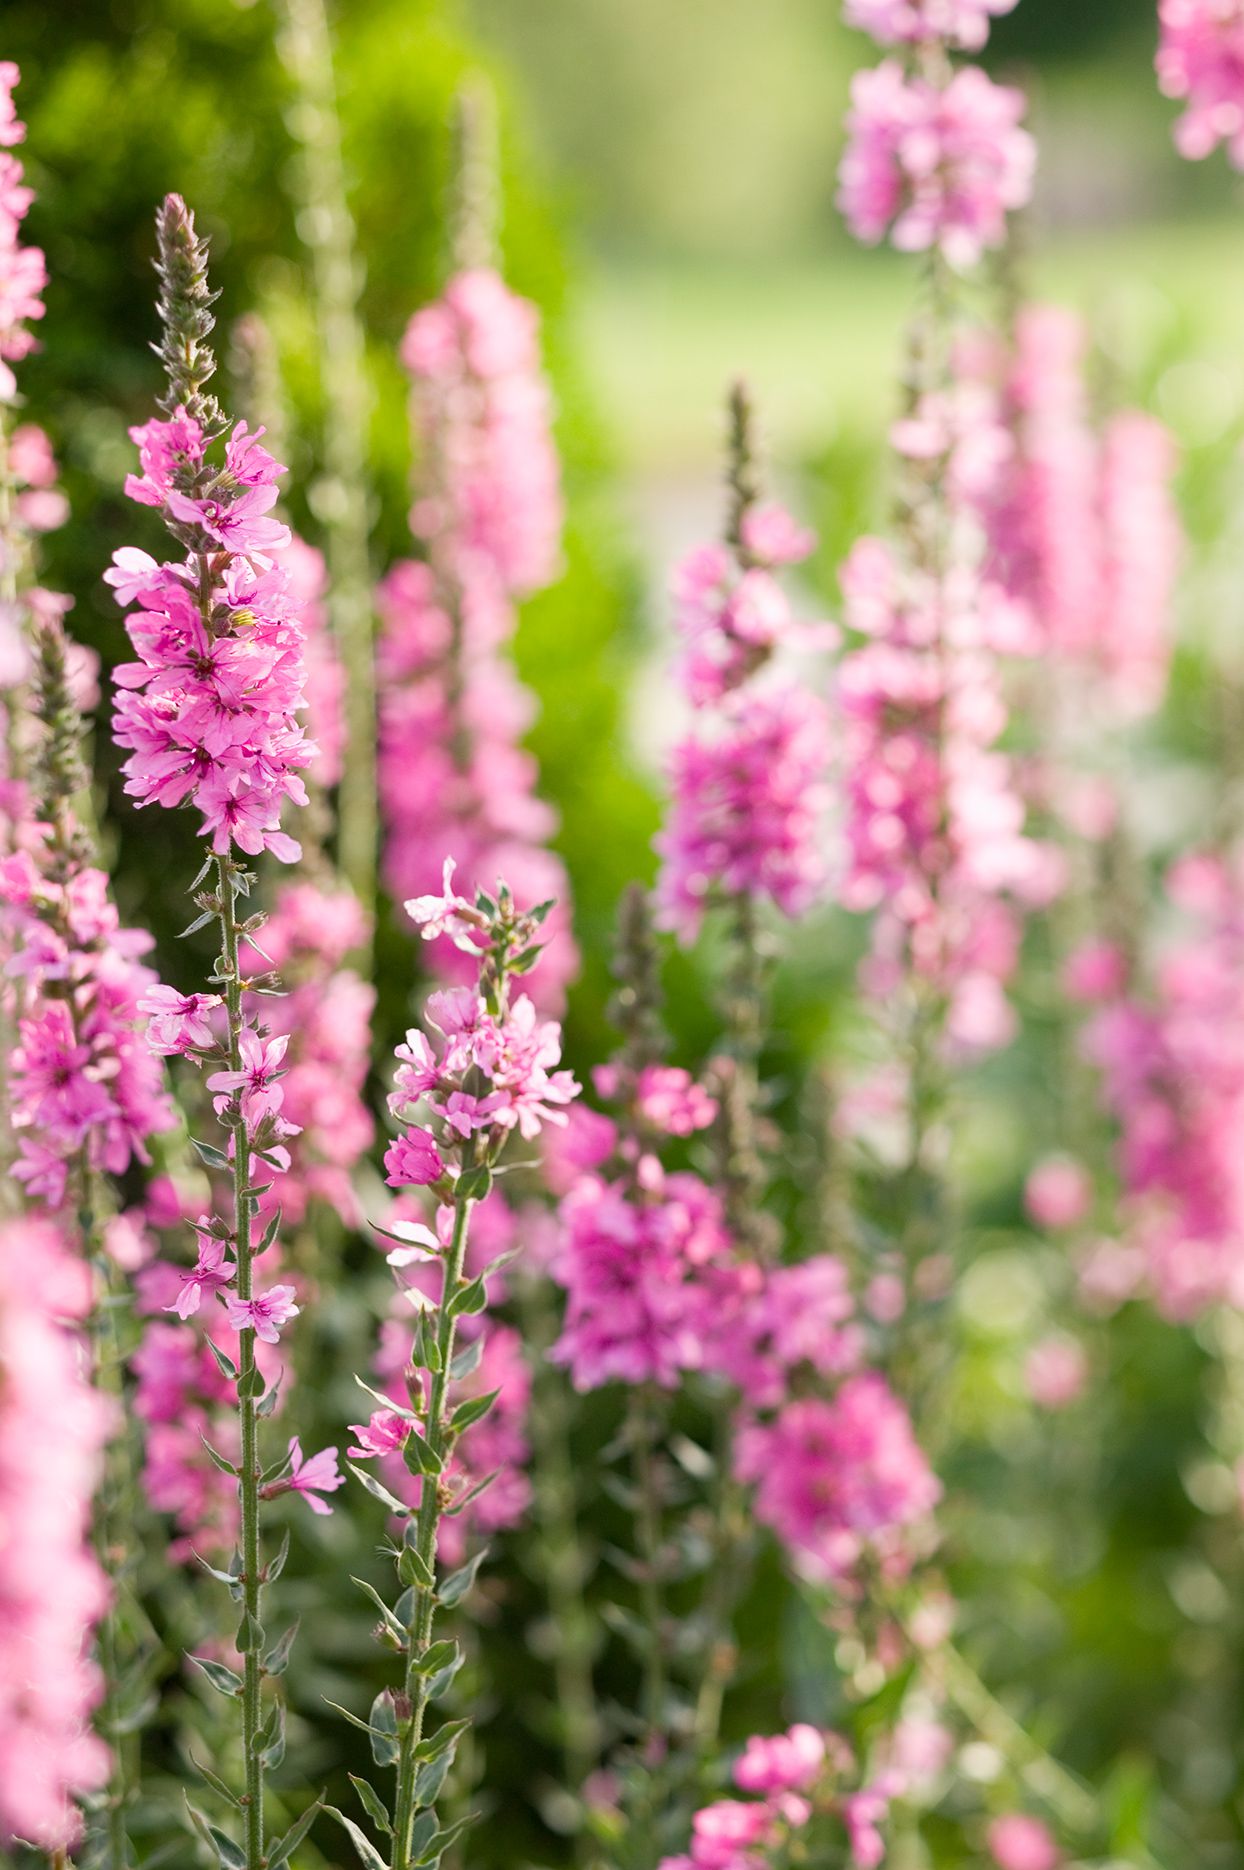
(1173,1066)
(748,782)
(209,712)
(83,1088)
(963,23)
(1200,62)
(934,826)
(453,777)
(934,166)
(52,1592)
(487,1070)
(1080,520)
(23,274)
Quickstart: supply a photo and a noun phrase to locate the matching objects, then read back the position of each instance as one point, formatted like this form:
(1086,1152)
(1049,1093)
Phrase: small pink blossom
(213,1272)
(1058,1193)
(782,1763)
(264,1314)
(413,1160)
(178,1022)
(316,1475)
(1056,1372)
(383,1434)
(1018,1842)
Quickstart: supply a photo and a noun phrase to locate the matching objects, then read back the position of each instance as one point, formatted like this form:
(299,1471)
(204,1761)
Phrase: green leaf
(429,1779)
(277,1659)
(215,1782)
(231,1856)
(390,1621)
(384,1746)
(382,1493)
(268,1401)
(435,1656)
(459,1582)
(249,1636)
(440,1683)
(426,1354)
(386,1402)
(273,1736)
(466,1363)
(200,922)
(369,1856)
(276,1566)
(468,1299)
(474,1409)
(251,1384)
(373,1804)
(364,1727)
(210,1156)
(413,1569)
(231,1578)
(420,1457)
(524,962)
(421,1834)
(285,1846)
(444,1738)
(473,1184)
(221,1678)
(270,1233)
(229,1369)
(440,1841)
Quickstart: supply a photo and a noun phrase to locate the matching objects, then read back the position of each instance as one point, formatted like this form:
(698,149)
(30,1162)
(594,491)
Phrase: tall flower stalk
(209,715)
(340,498)
(489,1071)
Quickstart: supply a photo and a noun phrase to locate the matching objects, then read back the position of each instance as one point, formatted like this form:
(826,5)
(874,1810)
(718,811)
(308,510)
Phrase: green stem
(427,1525)
(249,1474)
(327,229)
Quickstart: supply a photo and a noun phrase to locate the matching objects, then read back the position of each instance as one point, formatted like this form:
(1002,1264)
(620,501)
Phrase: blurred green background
(668,183)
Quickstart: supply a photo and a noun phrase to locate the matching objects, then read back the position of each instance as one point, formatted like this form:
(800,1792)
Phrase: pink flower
(255,1087)
(1056,1372)
(53,1427)
(413,1160)
(212,1272)
(314,1476)
(934,166)
(382,1434)
(863,1812)
(669,1099)
(1058,1193)
(783,1763)
(963,23)
(1018,1842)
(1200,62)
(177,1022)
(265,1314)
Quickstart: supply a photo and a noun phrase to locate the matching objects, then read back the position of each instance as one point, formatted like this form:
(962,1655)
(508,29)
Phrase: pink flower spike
(263,1315)
(314,1476)
(413,1161)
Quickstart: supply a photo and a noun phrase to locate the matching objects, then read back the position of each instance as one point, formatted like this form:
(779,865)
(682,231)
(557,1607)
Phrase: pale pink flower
(1018,1842)
(264,1314)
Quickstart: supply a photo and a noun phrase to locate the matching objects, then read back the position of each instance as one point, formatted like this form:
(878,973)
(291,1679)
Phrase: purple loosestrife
(454,779)
(488,1071)
(209,714)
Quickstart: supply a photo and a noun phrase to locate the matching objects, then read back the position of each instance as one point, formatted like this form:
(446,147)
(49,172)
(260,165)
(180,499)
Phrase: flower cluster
(934,165)
(1200,62)
(1080,524)
(841,1477)
(452,774)
(934,825)
(963,23)
(1173,1071)
(52,1591)
(748,782)
(209,711)
(23,274)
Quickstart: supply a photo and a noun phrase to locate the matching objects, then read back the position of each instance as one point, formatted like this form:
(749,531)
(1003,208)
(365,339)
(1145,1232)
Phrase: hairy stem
(247,1384)
(427,1524)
